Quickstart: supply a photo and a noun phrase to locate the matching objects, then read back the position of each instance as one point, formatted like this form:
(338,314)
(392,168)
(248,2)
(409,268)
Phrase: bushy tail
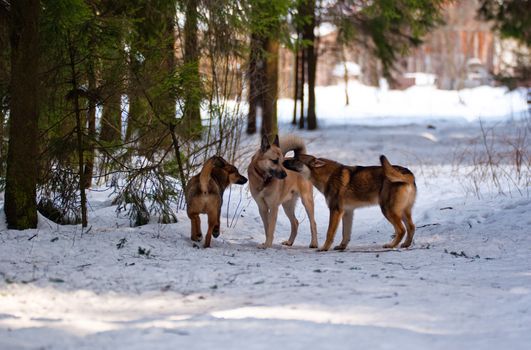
(292,143)
(395,175)
(205,174)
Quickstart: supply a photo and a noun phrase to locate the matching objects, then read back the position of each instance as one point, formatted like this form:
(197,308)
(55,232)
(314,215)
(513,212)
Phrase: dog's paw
(215,232)
(340,247)
(389,245)
(263,246)
(197,238)
(322,249)
(405,245)
(313,245)
(288,243)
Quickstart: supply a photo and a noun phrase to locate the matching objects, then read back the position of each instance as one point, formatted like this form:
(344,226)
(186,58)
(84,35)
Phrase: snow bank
(374,106)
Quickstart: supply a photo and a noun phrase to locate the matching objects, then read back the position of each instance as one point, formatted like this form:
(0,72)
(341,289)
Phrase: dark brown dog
(349,187)
(204,195)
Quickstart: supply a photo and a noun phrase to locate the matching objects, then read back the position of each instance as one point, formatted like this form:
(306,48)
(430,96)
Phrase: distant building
(464,52)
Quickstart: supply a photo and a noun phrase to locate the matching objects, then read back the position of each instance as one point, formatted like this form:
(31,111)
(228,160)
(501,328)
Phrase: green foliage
(389,28)
(59,196)
(266,18)
(147,192)
(512,18)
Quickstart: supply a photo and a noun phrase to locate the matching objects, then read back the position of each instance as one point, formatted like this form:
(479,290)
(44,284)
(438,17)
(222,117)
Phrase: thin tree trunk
(311,59)
(91,124)
(112,87)
(79,132)
(2,122)
(255,82)
(269,115)
(137,102)
(21,176)
(111,117)
(301,88)
(192,104)
(345,74)
(296,82)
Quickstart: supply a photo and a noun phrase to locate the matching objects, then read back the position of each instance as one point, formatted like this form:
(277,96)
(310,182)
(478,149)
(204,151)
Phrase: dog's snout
(241,180)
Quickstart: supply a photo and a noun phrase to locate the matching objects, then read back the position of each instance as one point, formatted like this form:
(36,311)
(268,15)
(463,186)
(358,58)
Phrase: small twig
(35,235)
(401,265)
(426,225)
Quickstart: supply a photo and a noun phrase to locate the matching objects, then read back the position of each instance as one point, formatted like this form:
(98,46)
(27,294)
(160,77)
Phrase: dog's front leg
(347,229)
(264,212)
(335,217)
(270,230)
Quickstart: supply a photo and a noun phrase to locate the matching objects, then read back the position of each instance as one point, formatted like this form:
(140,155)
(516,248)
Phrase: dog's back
(203,187)
(204,195)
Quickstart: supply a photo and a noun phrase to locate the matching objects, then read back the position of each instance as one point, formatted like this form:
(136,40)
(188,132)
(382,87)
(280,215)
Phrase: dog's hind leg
(410,228)
(196,227)
(212,221)
(289,209)
(307,201)
(335,217)
(396,220)
(347,229)
(215,231)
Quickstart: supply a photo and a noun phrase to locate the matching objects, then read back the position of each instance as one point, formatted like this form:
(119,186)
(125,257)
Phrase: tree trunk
(79,132)
(111,119)
(192,105)
(311,59)
(296,81)
(21,177)
(4,84)
(2,122)
(269,115)
(137,113)
(345,73)
(301,88)
(91,122)
(256,88)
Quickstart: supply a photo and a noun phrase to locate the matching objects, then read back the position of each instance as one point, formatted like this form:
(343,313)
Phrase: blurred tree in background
(512,19)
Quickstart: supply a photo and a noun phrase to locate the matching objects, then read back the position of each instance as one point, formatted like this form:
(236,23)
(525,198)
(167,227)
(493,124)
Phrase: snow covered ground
(466,283)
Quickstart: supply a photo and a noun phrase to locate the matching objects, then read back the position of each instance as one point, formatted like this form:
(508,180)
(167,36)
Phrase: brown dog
(271,185)
(349,187)
(204,195)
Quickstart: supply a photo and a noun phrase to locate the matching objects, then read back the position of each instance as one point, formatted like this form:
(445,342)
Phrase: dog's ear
(218,161)
(276,142)
(317,163)
(264,146)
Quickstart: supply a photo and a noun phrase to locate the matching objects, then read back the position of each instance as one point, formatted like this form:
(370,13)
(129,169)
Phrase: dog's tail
(395,175)
(205,174)
(292,143)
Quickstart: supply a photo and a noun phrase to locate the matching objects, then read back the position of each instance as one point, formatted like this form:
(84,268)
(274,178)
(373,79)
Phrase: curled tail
(206,172)
(292,143)
(395,175)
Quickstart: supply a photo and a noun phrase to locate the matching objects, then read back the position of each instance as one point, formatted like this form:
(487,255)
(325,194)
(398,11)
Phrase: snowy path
(465,284)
